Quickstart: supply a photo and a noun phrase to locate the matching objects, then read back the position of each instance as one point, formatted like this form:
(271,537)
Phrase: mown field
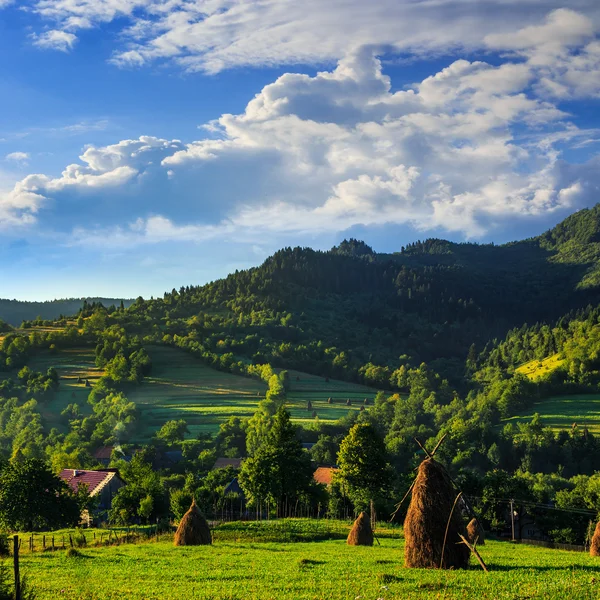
(561,412)
(182,387)
(75,366)
(241,566)
(535,369)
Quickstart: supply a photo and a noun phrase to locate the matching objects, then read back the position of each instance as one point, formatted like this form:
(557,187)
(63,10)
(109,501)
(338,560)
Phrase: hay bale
(595,543)
(425,525)
(361,533)
(475,532)
(193,529)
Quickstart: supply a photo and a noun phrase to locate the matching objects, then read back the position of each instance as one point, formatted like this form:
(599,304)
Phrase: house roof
(222,463)
(94,480)
(103,453)
(233,487)
(324,475)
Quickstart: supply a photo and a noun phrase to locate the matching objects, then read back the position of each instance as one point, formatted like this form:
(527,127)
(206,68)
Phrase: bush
(4,544)
(72,553)
(79,538)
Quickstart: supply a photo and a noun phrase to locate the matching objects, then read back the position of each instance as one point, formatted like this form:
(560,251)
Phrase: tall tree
(280,470)
(363,466)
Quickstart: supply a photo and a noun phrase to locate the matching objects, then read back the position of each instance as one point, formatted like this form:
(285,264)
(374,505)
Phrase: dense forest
(441,329)
(15,312)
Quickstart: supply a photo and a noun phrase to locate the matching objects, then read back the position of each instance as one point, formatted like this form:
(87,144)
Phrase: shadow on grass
(540,568)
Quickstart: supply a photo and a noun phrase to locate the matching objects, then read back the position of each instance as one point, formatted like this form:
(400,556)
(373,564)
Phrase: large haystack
(475,532)
(193,529)
(430,507)
(595,543)
(361,533)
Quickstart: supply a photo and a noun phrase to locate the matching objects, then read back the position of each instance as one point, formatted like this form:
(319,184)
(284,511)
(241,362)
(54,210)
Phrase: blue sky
(148,144)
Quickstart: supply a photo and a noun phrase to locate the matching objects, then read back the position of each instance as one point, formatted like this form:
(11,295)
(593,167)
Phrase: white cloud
(467,147)
(210,35)
(55,40)
(21,158)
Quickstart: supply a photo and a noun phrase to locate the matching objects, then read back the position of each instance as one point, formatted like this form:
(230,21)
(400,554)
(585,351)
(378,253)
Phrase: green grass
(535,369)
(182,387)
(560,412)
(254,570)
(70,364)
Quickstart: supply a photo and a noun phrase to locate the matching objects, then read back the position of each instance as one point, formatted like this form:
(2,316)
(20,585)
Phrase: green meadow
(535,369)
(243,564)
(561,412)
(74,367)
(182,387)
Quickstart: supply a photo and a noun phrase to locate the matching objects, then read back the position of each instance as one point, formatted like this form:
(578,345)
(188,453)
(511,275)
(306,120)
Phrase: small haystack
(431,505)
(475,533)
(193,529)
(361,533)
(595,543)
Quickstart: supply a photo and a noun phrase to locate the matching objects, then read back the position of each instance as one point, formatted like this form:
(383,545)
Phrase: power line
(529,503)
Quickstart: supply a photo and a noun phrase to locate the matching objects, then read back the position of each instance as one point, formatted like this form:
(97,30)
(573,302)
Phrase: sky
(149,144)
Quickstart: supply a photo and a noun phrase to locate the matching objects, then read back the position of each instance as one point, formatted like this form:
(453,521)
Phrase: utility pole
(512,518)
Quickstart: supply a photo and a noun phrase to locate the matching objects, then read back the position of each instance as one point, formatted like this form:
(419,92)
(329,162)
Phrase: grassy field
(329,569)
(71,364)
(560,412)
(182,387)
(535,369)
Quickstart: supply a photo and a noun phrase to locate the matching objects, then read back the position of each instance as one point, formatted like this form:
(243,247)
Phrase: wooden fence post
(16,567)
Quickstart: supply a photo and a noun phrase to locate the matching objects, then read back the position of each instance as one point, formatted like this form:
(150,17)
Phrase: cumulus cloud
(55,40)
(210,35)
(470,146)
(21,158)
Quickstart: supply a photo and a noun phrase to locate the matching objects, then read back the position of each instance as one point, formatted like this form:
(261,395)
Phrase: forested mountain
(431,300)
(17,311)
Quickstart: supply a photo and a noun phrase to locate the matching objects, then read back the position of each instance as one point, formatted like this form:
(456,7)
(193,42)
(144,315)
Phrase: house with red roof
(324,475)
(100,483)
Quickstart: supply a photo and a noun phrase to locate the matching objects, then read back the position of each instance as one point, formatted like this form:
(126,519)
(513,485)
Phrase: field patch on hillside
(562,412)
(75,367)
(329,569)
(182,387)
(535,369)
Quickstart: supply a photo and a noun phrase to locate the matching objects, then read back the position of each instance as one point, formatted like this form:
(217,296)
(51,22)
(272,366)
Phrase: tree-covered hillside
(431,300)
(17,311)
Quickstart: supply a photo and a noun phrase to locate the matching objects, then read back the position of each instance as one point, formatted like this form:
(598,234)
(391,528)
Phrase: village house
(223,463)
(102,484)
(324,475)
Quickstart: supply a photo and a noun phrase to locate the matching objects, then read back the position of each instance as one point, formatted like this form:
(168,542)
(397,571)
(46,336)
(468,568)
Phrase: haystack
(425,525)
(193,529)
(361,533)
(475,532)
(595,543)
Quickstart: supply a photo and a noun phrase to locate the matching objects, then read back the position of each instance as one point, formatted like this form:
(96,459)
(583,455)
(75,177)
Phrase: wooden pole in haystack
(432,527)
